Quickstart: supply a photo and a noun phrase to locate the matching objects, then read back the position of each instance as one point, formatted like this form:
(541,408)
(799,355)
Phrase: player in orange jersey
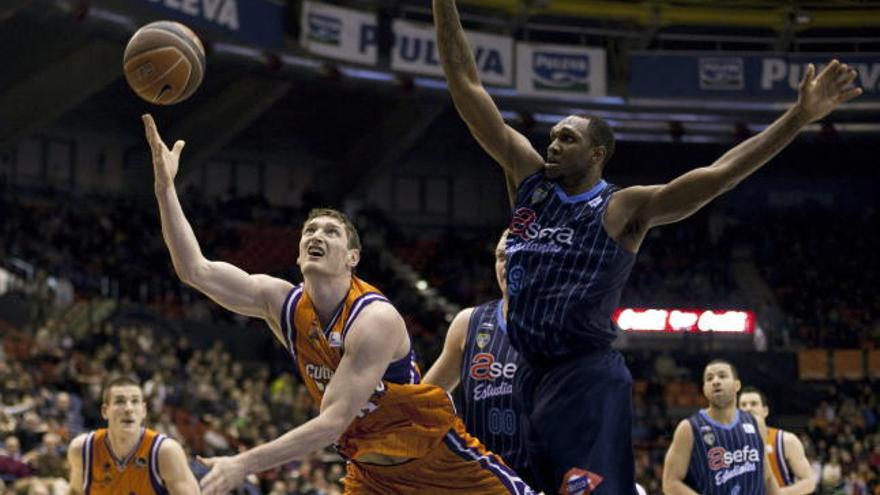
(785,452)
(126,457)
(352,350)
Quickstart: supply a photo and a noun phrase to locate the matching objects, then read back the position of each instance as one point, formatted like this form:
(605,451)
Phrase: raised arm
(634,210)
(800,466)
(74,460)
(509,148)
(678,459)
(369,349)
(446,371)
(258,296)
(175,471)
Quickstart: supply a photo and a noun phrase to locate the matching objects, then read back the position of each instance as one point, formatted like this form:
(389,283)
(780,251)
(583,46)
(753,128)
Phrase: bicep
(258,296)
(677,461)
(175,471)
(797,458)
(682,197)
(446,371)
(369,349)
(74,460)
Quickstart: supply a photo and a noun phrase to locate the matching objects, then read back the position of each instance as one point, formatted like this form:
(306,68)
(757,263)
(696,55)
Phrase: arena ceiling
(67,69)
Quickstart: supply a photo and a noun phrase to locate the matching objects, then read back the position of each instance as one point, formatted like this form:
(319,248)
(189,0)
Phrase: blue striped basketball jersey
(489,364)
(726,459)
(565,274)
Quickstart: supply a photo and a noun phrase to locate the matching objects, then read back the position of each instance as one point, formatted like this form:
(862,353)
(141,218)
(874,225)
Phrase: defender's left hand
(820,95)
(226,474)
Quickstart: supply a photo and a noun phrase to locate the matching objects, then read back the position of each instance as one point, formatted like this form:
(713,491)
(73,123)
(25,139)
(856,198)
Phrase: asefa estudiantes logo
(561,71)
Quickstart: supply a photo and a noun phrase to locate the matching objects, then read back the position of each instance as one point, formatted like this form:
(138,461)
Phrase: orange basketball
(164,62)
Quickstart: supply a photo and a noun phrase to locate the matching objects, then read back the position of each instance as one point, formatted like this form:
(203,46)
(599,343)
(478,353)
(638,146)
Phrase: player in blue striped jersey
(718,450)
(477,355)
(573,241)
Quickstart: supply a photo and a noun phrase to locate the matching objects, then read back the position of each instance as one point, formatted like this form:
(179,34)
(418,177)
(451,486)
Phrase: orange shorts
(460,464)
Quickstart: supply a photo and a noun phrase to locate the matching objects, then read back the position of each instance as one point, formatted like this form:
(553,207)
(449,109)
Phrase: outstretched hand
(820,95)
(165,161)
(224,475)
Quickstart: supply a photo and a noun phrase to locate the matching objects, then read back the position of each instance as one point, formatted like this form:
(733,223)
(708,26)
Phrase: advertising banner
(759,76)
(560,70)
(257,22)
(339,33)
(415,50)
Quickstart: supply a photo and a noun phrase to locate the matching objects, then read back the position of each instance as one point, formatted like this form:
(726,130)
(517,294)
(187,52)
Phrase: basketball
(164,62)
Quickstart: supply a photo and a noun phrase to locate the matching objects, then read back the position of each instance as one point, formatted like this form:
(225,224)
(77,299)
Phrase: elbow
(191,275)
(332,427)
(725,177)
(186,276)
(811,484)
(667,486)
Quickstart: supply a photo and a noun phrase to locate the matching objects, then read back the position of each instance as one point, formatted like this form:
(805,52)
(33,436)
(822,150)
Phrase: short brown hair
(753,390)
(354,240)
(121,381)
(733,369)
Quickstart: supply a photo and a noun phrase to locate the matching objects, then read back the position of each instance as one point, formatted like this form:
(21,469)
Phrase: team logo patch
(709,438)
(140,462)
(541,193)
(579,482)
(748,428)
(708,435)
(595,202)
(335,339)
(483,339)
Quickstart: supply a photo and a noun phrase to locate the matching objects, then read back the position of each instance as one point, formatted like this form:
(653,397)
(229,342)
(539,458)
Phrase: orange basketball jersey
(776,455)
(403,418)
(137,474)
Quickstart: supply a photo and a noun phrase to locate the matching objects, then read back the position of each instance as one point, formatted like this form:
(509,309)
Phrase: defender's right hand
(165,161)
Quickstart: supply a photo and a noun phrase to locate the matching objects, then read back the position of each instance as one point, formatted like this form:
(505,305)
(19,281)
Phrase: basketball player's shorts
(576,418)
(460,464)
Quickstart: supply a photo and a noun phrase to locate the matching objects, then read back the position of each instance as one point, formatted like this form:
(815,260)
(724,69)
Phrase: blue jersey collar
(584,196)
(729,426)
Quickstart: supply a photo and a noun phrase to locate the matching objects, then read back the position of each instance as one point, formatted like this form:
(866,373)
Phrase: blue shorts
(576,417)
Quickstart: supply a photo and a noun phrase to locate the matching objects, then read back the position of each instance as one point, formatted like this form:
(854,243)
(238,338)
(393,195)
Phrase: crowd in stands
(821,269)
(211,402)
(215,404)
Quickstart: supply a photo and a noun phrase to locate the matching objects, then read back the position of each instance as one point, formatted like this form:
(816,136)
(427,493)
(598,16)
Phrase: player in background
(785,452)
(126,457)
(478,356)
(572,244)
(718,450)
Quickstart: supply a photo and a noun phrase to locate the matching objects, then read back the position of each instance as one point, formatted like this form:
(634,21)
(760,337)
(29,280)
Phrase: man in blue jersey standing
(718,450)
(477,355)
(572,243)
